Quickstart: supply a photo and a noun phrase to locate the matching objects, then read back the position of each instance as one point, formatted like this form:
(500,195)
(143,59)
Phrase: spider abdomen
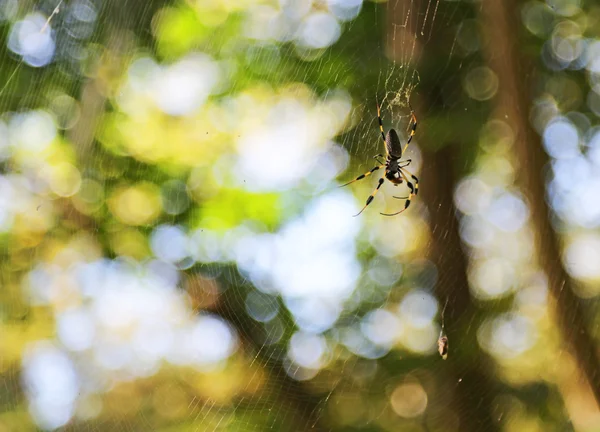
(393,145)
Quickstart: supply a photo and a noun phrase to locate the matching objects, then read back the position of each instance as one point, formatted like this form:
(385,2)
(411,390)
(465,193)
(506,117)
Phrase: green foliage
(178,31)
(231,207)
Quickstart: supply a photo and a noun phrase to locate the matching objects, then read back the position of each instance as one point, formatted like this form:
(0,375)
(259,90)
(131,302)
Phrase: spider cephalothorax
(395,168)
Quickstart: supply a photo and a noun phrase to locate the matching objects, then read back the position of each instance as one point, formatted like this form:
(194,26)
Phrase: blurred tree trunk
(123,26)
(465,376)
(500,21)
(466,372)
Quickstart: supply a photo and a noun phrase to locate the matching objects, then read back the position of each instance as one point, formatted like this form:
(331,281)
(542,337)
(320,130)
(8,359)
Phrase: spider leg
(406,163)
(414,177)
(381,180)
(413,130)
(413,192)
(380,124)
(377,156)
(362,176)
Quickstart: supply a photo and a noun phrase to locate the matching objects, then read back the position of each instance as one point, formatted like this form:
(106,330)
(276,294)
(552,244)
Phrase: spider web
(175,252)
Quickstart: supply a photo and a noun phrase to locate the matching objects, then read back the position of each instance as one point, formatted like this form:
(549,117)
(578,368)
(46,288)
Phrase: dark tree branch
(304,408)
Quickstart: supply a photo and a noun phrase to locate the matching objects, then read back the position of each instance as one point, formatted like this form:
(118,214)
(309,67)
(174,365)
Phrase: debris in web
(443,339)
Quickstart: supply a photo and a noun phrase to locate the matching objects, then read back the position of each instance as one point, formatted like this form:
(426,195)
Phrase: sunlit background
(176,253)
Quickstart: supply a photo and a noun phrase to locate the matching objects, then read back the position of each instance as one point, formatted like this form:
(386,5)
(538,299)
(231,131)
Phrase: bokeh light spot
(136,205)
(481,83)
(409,400)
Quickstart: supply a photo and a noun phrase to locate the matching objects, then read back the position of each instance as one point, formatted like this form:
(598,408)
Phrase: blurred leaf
(231,207)
(178,30)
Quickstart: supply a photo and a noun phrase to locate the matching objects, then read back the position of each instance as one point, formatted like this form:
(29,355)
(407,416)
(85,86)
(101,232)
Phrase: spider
(395,169)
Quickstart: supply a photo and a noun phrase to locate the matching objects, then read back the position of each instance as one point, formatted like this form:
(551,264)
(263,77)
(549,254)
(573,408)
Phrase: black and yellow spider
(395,169)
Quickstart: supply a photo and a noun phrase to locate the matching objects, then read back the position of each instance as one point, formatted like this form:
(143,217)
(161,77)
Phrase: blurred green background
(176,254)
